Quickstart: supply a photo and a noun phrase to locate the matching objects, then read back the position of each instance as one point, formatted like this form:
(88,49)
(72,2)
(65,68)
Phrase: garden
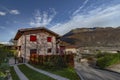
(62,65)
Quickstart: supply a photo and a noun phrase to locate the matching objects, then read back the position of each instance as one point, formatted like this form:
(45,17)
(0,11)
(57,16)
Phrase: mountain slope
(93,37)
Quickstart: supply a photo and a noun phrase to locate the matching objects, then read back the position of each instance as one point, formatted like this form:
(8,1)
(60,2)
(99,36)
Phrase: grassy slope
(13,74)
(66,72)
(32,74)
(108,60)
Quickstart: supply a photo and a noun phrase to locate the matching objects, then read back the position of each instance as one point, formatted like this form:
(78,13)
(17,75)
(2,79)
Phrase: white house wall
(20,42)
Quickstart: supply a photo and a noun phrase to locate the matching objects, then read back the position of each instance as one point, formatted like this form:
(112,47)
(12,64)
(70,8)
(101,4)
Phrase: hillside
(93,37)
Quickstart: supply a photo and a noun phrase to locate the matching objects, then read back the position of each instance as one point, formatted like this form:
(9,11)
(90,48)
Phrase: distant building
(71,49)
(37,40)
(66,48)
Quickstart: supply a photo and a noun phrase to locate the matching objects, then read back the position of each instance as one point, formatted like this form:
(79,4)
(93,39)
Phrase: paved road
(89,73)
(12,61)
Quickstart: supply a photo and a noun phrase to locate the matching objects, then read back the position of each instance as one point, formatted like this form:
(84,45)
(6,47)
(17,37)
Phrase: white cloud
(8,11)
(42,19)
(2,13)
(78,10)
(15,12)
(99,17)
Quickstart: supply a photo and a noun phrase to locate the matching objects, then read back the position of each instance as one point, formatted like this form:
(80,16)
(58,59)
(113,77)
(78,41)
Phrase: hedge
(53,60)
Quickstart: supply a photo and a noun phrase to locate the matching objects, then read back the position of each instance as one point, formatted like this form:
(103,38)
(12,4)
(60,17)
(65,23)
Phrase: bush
(60,62)
(53,61)
(2,75)
(4,53)
(49,64)
(4,67)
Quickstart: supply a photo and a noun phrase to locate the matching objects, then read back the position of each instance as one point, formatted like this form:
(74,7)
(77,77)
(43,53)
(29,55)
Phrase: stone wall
(41,44)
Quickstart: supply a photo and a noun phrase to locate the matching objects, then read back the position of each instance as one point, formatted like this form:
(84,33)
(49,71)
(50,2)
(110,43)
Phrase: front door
(33,51)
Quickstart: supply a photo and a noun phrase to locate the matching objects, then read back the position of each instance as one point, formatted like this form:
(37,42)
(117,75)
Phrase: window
(33,38)
(49,39)
(49,50)
(33,51)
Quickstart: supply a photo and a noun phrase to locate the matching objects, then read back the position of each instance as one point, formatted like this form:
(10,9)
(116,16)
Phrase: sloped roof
(20,32)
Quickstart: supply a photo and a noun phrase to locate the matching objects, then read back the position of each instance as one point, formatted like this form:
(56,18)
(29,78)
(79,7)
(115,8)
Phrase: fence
(53,60)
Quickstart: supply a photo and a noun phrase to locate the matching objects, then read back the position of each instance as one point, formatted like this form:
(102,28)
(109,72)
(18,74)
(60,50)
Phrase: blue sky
(58,15)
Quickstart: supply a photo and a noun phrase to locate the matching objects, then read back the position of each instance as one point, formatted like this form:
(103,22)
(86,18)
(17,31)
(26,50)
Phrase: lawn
(13,74)
(68,73)
(32,74)
(65,72)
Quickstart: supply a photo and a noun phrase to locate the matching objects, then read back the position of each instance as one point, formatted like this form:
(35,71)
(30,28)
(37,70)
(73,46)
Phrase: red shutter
(32,38)
(49,39)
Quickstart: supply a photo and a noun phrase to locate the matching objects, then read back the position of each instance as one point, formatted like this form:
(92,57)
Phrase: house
(71,49)
(38,40)
(66,48)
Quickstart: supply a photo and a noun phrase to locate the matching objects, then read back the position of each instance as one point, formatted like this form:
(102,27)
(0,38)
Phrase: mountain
(97,36)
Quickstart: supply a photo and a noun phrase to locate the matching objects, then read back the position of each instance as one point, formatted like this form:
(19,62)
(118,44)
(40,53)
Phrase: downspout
(25,50)
(37,43)
(54,45)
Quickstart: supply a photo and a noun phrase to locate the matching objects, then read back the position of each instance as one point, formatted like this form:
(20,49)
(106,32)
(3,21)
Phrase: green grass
(13,74)
(32,74)
(108,60)
(65,72)
(68,73)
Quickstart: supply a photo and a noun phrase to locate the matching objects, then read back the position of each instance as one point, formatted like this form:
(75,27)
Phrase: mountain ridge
(97,36)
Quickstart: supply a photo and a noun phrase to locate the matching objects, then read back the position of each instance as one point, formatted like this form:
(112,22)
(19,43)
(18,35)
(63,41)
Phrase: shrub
(49,64)
(2,75)
(4,53)
(4,67)
(52,61)
(60,62)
